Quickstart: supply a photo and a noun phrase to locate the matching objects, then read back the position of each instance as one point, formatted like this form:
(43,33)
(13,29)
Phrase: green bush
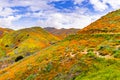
(91,53)
(49,67)
(116,53)
(31,77)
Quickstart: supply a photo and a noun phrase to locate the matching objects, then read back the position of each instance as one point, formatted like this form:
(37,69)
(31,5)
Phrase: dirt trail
(98,54)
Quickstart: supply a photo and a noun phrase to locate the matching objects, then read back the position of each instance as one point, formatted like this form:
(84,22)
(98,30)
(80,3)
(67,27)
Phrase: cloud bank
(17,14)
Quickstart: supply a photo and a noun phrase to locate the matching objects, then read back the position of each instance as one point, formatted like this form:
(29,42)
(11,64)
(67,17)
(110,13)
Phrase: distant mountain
(61,32)
(109,23)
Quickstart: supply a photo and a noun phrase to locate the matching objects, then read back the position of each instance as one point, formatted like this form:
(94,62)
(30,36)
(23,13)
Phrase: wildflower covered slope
(94,56)
(109,23)
(27,40)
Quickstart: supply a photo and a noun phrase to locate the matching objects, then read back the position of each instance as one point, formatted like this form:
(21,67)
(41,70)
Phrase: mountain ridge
(62,33)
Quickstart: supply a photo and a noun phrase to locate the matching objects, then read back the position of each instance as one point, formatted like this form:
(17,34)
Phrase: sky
(18,14)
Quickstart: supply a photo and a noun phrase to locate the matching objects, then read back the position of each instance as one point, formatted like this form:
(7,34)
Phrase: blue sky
(17,14)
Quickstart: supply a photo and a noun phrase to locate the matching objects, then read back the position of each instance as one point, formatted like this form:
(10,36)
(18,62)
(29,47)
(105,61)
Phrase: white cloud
(49,16)
(67,20)
(103,5)
(7,21)
(78,1)
(98,5)
(6,12)
(115,4)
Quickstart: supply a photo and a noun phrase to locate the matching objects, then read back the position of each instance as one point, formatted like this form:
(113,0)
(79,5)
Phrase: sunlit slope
(109,23)
(4,31)
(79,57)
(26,41)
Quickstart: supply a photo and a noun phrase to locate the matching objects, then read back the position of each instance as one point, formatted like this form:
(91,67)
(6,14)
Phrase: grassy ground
(72,58)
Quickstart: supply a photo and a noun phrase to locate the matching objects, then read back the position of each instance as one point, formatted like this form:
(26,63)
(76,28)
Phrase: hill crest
(110,23)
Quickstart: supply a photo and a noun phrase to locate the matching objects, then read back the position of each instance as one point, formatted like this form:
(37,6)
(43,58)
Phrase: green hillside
(23,43)
(4,31)
(72,58)
(26,40)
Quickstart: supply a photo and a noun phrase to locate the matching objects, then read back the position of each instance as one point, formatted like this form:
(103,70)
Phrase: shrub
(116,54)
(18,58)
(91,53)
(49,67)
(31,77)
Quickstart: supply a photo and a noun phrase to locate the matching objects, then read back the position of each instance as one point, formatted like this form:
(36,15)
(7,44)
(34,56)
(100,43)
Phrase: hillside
(72,58)
(29,38)
(109,23)
(4,31)
(82,56)
(24,42)
(61,33)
